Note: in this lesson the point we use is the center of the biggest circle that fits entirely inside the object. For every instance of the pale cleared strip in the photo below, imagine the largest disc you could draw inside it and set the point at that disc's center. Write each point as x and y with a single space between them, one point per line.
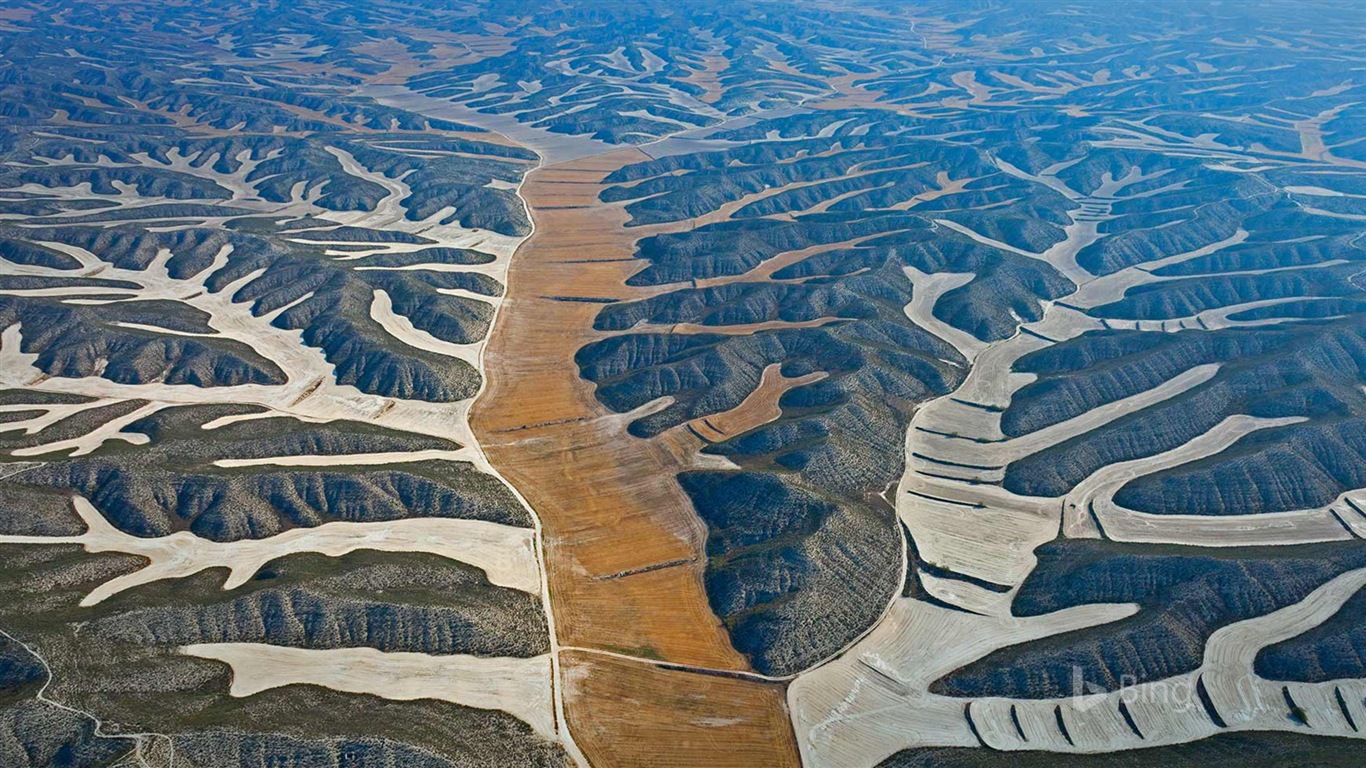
403 330
52 413
1039 440
927 289
874 700
1170 711
957 452
1097 493
311 393
979 528
519 687
92 440
505 553
348 459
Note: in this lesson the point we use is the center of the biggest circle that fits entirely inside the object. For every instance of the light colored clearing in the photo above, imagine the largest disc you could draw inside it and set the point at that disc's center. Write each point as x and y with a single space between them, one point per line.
311 392
1096 493
391 215
1017 448
618 76
874 700
1093 209
977 530
241 192
983 239
505 553
950 495
961 518
79 446
552 147
471 295
1112 287
1170 712
1138 135
928 288
1319 192
726 211
223 421
403 330
947 186
764 270
1221 317
519 687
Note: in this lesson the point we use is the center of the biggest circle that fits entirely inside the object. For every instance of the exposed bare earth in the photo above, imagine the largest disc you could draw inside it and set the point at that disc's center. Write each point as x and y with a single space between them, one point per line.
627 713
504 552
624 549
520 687
758 409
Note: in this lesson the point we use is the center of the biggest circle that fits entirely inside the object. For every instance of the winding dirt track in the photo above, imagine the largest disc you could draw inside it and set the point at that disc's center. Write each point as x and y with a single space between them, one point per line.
624 549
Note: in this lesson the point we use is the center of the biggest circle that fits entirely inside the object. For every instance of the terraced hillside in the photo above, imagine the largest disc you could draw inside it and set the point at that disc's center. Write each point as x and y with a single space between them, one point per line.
682 384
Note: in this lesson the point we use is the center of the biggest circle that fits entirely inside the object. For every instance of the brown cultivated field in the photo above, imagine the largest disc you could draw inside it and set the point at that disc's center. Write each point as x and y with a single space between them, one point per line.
624 546
624 713
758 409
624 549
708 78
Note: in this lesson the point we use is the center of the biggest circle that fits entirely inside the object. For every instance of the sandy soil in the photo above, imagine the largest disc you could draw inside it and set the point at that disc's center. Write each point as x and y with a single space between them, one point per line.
508 555
1170 712
519 687
926 291
1092 501
874 700
505 553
